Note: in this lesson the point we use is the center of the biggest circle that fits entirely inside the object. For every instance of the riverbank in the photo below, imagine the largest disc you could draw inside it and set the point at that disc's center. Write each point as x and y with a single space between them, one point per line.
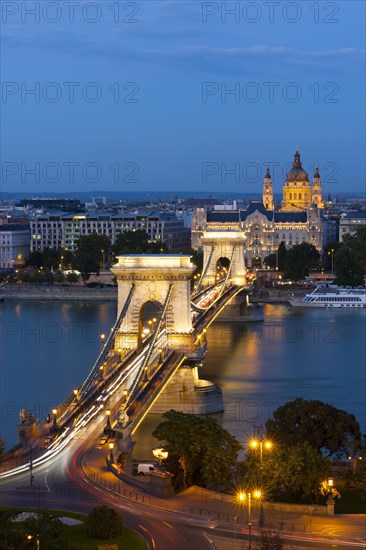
276 296
64 293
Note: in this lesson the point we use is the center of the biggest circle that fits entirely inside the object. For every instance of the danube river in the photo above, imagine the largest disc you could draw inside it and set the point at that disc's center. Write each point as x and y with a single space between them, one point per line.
47 348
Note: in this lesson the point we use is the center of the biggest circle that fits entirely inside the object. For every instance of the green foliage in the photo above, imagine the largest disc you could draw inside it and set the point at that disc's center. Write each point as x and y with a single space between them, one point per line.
29 276
357 243
59 277
104 523
326 428
89 255
200 451
282 253
294 470
269 540
197 257
348 267
72 278
277 260
299 260
51 531
137 242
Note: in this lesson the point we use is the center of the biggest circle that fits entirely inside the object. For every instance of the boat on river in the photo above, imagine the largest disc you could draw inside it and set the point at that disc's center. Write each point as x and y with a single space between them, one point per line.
332 296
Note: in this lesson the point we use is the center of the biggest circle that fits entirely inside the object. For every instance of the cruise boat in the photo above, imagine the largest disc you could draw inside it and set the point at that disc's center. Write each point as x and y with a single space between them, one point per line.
332 296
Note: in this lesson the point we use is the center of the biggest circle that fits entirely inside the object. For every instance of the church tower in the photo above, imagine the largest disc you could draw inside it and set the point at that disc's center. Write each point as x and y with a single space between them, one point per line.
316 191
268 191
297 189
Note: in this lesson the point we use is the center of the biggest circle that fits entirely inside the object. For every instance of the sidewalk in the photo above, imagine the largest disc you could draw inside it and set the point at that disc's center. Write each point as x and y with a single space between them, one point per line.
211 512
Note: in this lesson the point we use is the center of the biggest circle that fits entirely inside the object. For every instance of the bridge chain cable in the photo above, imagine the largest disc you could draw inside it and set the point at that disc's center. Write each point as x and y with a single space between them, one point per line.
223 286
204 271
150 348
105 349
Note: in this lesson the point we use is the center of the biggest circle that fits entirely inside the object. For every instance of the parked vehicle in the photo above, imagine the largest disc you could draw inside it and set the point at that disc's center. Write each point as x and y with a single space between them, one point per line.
145 469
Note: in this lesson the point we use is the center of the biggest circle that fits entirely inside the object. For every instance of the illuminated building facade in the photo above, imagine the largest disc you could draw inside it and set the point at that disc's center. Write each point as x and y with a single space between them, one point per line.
298 220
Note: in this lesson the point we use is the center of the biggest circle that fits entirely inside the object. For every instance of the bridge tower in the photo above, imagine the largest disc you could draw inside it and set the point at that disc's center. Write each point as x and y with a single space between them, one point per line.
163 279
223 244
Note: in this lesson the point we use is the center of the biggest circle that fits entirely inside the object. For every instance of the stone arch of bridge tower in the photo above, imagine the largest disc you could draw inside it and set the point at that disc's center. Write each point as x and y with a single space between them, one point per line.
225 244
153 276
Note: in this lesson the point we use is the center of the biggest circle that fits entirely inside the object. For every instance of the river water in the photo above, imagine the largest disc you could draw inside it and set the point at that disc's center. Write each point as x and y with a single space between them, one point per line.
47 348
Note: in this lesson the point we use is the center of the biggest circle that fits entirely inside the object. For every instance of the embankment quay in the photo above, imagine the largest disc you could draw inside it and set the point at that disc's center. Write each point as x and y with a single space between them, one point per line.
58 292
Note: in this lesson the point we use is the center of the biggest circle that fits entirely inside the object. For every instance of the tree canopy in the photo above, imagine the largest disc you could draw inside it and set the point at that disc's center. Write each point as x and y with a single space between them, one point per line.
329 430
200 451
299 260
137 242
91 252
348 267
104 522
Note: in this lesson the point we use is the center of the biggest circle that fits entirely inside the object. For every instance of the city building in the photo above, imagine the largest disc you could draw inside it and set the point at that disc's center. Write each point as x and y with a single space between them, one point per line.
350 222
298 220
14 245
60 230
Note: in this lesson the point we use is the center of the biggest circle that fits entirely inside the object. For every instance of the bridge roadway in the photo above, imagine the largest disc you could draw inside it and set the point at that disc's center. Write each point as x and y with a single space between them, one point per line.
74 414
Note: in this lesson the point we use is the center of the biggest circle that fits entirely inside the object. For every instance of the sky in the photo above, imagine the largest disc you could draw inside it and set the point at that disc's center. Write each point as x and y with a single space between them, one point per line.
171 95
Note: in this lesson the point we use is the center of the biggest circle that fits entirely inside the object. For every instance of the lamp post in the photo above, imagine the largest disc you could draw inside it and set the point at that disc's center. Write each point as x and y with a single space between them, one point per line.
30 537
246 497
111 458
261 443
102 251
108 427
54 427
125 392
331 253
160 453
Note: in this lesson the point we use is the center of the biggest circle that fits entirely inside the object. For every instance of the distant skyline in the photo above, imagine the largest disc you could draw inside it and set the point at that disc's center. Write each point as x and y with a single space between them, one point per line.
175 96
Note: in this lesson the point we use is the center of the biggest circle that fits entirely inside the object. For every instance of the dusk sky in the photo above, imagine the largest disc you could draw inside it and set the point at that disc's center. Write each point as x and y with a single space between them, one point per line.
147 109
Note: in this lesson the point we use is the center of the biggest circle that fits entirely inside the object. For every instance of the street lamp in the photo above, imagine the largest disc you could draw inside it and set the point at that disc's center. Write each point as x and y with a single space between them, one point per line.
160 453
125 392
111 458
243 497
108 426
259 444
102 336
75 392
331 252
54 423
30 537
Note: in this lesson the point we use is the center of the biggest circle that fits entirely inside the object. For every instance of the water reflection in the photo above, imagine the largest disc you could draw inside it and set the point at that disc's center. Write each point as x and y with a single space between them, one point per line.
49 347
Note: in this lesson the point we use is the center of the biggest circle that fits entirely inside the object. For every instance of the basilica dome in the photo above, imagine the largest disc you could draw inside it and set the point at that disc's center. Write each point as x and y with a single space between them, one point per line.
297 173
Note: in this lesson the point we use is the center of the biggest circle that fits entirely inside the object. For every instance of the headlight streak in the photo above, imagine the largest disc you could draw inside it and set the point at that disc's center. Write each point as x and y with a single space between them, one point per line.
67 436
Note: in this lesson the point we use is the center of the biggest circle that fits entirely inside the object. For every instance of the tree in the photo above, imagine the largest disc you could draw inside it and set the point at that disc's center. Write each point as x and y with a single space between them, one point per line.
200 451
294 470
327 429
104 522
89 255
2 445
357 243
278 258
299 260
348 268
59 277
137 242
72 278
281 253
269 540
49 530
